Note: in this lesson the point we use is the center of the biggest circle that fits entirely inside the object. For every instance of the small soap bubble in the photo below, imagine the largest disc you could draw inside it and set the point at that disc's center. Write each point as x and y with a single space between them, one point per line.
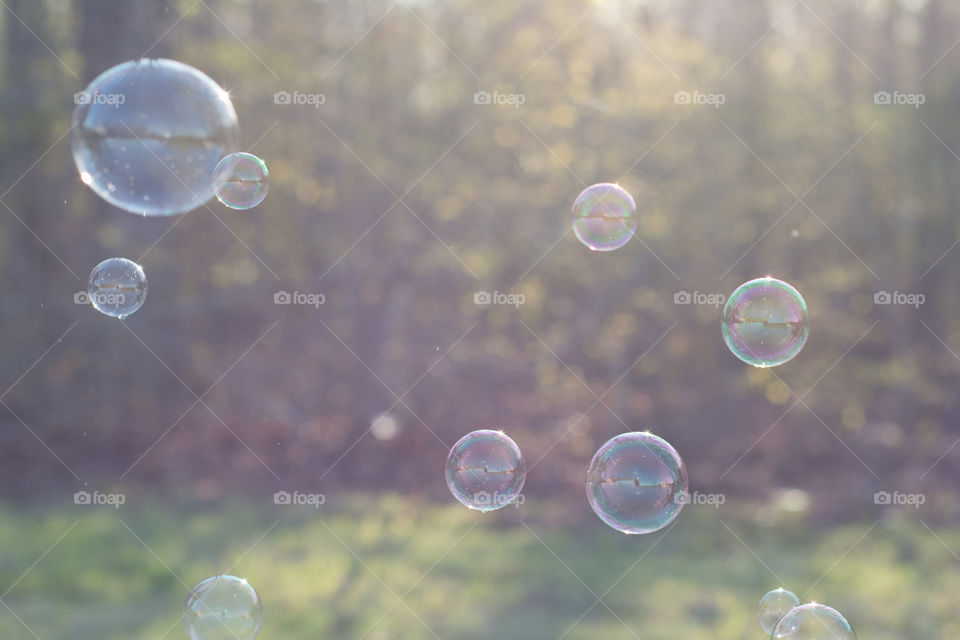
117 287
813 622
774 606
637 483
223 608
765 322
147 135
604 217
241 181
485 470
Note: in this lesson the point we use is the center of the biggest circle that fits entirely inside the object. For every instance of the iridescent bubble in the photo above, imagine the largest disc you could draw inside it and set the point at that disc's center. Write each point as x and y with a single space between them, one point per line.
813 622
223 608
117 287
774 606
241 181
485 470
604 217
765 322
147 135
637 483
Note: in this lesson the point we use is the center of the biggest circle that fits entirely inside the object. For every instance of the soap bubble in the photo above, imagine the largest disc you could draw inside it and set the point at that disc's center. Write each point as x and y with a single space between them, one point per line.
485 470
117 287
813 622
765 322
223 608
241 181
604 217
147 135
637 483
774 606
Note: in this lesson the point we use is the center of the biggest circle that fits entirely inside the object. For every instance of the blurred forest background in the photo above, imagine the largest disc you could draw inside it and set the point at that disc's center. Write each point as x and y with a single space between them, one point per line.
400 197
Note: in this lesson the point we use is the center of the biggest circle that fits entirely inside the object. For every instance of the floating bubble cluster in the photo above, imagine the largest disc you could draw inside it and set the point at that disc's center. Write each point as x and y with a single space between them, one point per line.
156 138
765 322
147 135
637 483
485 470
223 608
604 217
774 606
813 622
117 287
241 181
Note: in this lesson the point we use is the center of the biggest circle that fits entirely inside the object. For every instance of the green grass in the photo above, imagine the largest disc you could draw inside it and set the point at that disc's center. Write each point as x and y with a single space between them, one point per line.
460 574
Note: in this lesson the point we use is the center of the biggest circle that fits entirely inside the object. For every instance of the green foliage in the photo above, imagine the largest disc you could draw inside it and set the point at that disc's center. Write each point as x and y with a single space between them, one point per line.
337 572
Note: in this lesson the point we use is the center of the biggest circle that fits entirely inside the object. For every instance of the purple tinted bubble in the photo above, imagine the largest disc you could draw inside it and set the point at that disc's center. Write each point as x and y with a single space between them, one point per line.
765 322
485 470
604 217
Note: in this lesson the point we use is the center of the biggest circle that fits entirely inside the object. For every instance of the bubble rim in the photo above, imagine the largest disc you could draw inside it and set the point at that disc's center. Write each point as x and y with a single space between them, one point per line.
753 284
811 606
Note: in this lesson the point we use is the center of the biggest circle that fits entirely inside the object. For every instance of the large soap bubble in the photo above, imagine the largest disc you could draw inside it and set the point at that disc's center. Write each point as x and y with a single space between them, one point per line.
485 470
765 322
147 135
637 483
